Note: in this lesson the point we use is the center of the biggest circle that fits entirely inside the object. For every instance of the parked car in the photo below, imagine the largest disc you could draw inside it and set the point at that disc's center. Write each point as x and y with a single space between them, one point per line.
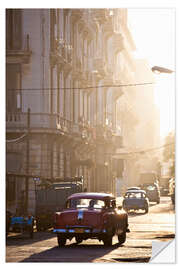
172 189
8 221
22 224
51 197
91 215
152 192
135 200
164 185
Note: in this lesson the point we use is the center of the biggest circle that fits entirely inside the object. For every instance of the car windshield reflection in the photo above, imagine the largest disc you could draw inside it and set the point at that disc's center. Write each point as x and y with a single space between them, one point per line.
86 203
135 195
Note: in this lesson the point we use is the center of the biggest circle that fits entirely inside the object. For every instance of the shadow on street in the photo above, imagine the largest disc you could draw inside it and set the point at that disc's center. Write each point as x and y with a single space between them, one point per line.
23 239
57 254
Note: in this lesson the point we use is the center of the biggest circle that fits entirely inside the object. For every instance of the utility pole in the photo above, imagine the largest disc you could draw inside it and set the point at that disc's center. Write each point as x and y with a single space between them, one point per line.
27 163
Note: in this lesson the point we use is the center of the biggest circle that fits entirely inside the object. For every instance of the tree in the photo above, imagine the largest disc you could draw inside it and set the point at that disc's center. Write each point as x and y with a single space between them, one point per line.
169 151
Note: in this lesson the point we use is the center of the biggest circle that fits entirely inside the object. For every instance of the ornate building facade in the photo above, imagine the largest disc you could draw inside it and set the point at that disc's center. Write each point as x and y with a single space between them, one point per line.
61 103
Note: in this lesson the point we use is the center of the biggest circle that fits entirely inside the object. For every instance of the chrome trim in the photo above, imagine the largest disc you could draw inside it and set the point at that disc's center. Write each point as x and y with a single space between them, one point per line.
59 230
96 230
78 226
71 230
80 214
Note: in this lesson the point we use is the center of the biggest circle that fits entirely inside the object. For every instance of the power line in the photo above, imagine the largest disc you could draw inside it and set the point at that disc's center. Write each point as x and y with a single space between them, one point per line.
130 153
153 149
17 139
78 88
143 151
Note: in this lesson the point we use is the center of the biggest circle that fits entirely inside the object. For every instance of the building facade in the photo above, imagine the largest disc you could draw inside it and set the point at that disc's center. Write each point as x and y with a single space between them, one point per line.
62 106
60 113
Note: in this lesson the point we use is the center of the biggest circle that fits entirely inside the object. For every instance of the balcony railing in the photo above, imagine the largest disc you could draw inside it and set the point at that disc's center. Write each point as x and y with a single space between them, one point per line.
19 56
100 66
76 14
101 15
109 25
62 53
17 122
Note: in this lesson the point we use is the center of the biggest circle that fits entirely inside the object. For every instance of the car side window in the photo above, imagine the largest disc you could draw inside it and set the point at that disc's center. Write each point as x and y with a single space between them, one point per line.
113 204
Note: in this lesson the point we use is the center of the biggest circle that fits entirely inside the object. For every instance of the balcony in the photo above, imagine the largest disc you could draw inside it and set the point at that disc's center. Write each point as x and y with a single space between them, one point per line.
78 69
109 26
49 123
101 15
103 134
118 141
100 66
76 14
39 122
21 56
62 54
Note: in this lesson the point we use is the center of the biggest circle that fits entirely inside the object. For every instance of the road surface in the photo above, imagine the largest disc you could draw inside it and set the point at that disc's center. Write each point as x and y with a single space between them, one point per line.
158 224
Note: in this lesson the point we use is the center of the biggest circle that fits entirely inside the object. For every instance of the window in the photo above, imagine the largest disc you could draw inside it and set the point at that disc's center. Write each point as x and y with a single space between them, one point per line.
10 188
13 85
86 203
135 195
13 29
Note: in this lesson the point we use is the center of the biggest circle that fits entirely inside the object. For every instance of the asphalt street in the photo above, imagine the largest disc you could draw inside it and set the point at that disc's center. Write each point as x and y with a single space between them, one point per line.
158 224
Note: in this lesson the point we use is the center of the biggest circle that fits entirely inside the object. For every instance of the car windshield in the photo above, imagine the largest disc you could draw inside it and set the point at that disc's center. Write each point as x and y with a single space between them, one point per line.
136 195
151 188
85 203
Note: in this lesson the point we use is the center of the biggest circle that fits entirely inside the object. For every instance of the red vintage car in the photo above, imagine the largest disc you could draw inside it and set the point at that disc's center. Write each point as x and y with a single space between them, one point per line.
91 215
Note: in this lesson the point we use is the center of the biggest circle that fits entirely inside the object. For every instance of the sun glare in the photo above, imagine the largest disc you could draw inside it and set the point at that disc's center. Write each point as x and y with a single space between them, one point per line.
153 31
165 100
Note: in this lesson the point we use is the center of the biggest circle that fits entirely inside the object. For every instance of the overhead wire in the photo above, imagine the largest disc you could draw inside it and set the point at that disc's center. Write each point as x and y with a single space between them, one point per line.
78 88
17 139
143 151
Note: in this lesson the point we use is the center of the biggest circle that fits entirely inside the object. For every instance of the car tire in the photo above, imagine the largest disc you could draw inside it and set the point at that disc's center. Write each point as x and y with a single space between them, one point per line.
107 241
158 201
61 241
31 234
126 210
78 240
122 238
146 209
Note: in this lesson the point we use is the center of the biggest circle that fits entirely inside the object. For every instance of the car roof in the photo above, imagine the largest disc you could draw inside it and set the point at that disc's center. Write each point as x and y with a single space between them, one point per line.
91 195
136 191
136 188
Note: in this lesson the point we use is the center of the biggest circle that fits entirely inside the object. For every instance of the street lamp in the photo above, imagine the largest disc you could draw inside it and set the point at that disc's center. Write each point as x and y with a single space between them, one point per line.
157 69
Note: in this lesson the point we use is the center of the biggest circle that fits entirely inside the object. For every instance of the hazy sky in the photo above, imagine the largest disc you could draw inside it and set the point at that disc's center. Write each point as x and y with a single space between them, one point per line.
153 31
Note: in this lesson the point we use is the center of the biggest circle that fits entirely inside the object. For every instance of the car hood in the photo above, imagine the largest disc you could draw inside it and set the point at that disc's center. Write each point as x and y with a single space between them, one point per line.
83 217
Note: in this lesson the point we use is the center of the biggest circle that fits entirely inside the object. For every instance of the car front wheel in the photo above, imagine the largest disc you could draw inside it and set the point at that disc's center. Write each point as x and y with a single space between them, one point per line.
122 238
146 210
107 240
61 241
78 240
158 201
